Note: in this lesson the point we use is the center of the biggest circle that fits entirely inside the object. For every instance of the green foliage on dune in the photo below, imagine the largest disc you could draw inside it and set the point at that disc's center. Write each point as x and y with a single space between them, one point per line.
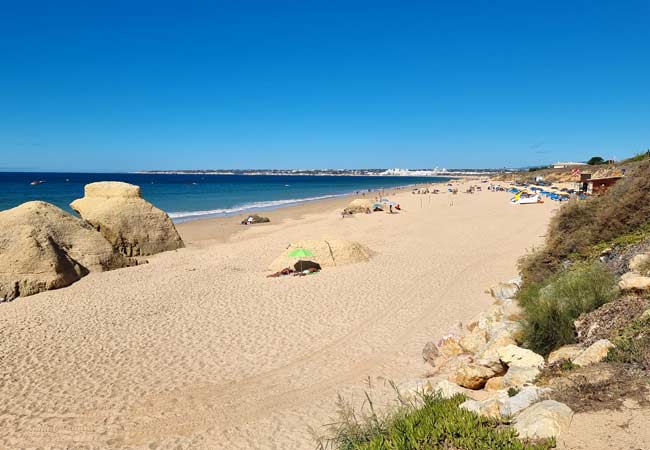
431 424
550 309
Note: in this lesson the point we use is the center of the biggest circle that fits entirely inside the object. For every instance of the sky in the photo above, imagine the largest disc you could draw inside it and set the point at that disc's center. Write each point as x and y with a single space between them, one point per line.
123 86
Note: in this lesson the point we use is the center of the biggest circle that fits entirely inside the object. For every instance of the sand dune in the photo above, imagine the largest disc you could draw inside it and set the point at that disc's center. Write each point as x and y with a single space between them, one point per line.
199 350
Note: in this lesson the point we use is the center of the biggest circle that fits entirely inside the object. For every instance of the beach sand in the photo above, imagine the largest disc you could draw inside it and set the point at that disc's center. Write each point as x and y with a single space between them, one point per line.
200 350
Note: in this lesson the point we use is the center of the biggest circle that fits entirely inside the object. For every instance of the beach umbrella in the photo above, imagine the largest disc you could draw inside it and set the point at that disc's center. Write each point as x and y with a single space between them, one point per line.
300 253
306 265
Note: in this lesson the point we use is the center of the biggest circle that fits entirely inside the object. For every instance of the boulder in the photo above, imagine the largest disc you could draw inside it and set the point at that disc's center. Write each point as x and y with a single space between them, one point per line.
430 353
543 420
517 377
329 253
490 407
447 389
568 352
514 356
634 282
449 346
43 247
131 224
527 396
474 341
472 376
596 352
503 291
638 261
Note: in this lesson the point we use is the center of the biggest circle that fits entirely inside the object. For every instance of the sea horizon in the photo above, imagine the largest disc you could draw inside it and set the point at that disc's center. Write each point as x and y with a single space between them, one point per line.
187 196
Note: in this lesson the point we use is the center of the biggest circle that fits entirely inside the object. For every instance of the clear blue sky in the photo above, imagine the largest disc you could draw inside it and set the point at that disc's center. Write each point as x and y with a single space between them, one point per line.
237 84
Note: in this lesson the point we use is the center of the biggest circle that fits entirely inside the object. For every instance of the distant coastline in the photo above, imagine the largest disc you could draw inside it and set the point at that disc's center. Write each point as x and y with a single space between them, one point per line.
331 172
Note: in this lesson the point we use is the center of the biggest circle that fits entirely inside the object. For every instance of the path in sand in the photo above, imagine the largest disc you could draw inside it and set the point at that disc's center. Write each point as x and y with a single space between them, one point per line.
198 349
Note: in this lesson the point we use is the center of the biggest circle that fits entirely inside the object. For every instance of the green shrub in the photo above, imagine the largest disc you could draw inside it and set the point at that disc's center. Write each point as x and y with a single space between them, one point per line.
632 344
434 423
580 225
550 311
512 391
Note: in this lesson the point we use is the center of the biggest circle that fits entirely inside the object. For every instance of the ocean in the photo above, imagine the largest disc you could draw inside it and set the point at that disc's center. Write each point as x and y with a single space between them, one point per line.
188 197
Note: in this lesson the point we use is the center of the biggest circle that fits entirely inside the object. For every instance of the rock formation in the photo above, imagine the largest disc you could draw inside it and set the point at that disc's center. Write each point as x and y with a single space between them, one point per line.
131 224
43 247
326 253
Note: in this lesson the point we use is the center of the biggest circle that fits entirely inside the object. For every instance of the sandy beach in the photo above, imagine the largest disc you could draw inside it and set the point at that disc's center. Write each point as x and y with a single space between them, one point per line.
200 350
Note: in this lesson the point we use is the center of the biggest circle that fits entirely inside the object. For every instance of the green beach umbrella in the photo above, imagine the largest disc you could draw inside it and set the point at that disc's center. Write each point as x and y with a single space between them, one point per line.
300 253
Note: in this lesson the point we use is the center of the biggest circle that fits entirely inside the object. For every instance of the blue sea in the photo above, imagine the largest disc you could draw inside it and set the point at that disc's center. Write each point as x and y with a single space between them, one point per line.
188 197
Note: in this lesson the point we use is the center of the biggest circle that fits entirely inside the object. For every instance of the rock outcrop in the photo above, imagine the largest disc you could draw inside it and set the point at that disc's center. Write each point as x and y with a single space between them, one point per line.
131 224
593 354
326 253
43 247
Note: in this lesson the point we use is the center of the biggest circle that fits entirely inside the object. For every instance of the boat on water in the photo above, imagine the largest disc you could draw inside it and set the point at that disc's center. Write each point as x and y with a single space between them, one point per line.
37 182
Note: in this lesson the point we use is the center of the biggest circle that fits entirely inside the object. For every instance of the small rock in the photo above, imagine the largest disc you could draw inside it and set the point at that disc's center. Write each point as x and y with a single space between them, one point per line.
543 420
645 315
634 283
514 356
495 384
568 352
596 352
472 376
430 353
502 291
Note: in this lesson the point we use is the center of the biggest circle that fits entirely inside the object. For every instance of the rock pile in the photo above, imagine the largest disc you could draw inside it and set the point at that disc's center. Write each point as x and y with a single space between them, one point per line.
484 362
131 224
634 280
43 247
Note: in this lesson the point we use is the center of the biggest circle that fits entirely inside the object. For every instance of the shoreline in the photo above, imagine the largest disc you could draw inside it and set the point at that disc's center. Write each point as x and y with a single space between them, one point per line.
198 349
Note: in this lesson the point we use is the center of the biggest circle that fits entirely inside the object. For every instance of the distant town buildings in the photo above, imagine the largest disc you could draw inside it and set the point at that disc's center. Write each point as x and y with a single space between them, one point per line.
564 165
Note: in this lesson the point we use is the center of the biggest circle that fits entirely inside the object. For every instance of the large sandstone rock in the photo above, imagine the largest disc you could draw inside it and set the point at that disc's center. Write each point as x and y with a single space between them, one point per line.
515 356
449 346
596 352
568 352
131 224
634 282
472 376
430 353
336 252
474 341
543 420
638 261
43 247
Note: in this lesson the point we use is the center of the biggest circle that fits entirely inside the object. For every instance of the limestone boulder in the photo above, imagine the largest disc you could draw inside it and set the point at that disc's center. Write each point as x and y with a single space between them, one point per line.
516 377
638 261
514 356
43 247
449 346
596 352
490 407
543 420
568 352
447 389
474 341
526 397
634 282
131 224
472 376
503 291
330 253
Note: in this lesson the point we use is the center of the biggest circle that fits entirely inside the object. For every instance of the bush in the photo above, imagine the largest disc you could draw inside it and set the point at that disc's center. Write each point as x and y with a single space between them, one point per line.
435 423
632 344
551 310
580 225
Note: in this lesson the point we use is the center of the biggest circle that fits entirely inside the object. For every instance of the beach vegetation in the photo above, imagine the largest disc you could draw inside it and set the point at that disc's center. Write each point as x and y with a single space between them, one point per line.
632 344
550 309
431 423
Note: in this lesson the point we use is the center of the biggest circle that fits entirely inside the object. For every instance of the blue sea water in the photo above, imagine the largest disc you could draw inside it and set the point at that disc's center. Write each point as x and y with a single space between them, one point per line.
187 197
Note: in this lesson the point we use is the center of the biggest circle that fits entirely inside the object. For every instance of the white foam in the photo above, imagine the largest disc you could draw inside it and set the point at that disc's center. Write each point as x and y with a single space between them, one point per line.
182 216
